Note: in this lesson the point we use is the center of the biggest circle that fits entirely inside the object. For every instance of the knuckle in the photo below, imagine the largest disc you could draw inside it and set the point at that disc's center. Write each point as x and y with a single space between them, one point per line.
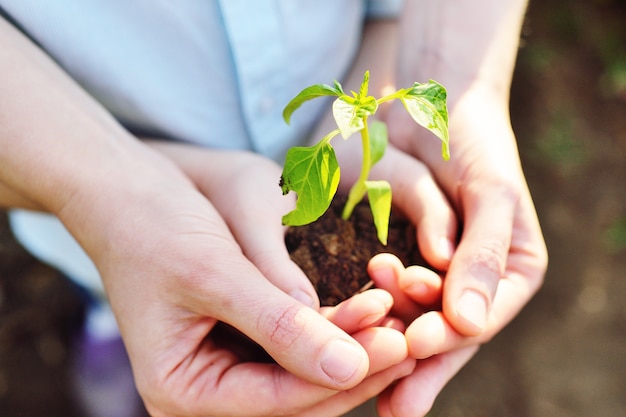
500 186
542 260
489 259
282 327
535 267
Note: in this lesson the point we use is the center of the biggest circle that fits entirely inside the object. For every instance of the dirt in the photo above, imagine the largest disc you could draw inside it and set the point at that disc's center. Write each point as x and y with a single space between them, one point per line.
334 252
564 355
40 313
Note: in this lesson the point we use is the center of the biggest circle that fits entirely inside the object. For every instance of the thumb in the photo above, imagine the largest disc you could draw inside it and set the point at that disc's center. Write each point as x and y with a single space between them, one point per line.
480 260
258 229
291 332
262 240
255 297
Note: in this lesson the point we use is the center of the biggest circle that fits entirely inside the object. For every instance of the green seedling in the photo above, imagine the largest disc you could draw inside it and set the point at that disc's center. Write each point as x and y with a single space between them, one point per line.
313 172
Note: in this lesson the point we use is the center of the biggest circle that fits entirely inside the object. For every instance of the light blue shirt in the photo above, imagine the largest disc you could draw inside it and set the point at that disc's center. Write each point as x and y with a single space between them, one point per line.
213 73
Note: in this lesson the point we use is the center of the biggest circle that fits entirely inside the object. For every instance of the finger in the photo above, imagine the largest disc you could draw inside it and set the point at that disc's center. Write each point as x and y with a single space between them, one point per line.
385 347
263 243
289 331
385 270
246 300
259 230
416 193
422 285
393 323
415 394
432 334
279 392
481 257
372 386
360 311
414 289
229 288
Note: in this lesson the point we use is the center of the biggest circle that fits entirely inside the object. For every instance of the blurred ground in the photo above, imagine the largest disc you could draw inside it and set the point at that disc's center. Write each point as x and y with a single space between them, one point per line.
565 355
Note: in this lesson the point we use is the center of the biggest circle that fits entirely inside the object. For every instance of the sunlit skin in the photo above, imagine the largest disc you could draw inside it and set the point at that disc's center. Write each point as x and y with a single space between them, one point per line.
178 253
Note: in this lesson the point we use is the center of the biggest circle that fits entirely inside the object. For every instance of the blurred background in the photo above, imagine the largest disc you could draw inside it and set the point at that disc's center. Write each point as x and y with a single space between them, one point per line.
565 355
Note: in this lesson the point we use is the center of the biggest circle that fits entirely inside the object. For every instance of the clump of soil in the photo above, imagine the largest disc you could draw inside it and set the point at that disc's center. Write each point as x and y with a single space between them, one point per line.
334 252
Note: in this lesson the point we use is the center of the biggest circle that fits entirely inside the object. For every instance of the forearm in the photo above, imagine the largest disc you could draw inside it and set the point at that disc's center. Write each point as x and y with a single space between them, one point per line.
461 44
48 129
61 152
55 140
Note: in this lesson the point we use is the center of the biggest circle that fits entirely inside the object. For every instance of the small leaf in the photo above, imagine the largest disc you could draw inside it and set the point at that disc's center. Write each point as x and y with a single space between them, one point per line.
379 195
356 194
313 173
349 113
346 117
378 141
365 85
367 106
426 103
309 93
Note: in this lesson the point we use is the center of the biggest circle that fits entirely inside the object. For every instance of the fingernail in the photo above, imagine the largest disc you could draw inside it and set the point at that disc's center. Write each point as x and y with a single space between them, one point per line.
383 296
303 297
472 306
341 359
446 248
417 290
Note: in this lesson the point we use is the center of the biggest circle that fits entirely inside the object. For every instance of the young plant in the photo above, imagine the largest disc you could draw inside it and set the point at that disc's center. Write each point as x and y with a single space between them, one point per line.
313 172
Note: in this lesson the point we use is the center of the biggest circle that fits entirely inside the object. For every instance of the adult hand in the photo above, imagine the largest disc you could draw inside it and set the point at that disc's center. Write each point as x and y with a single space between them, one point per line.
199 276
243 188
415 290
500 260
497 266
499 263
501 246
171 267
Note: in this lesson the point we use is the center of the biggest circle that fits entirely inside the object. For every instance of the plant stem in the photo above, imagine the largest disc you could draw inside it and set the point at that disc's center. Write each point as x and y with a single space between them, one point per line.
390 97
358 190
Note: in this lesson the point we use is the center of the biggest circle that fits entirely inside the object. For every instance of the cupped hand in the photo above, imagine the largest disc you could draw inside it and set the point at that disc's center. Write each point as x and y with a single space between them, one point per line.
173 271
498 264
501 257
243 188
484 279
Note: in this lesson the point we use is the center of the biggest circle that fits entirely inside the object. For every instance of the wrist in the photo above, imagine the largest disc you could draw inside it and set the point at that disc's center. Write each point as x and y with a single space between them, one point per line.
461 44
116 194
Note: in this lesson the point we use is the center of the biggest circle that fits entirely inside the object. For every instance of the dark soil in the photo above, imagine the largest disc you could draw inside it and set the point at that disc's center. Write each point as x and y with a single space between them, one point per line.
40 313
334 252
564 355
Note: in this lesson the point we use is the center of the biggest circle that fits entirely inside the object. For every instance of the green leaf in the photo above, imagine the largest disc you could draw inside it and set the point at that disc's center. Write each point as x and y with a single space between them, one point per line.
378 141
313 173
347 118
426 103
364 85
309 93
356 194
350 113
379 195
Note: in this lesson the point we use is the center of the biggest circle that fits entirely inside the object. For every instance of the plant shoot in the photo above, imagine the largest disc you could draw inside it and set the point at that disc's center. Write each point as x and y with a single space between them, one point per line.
313 172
